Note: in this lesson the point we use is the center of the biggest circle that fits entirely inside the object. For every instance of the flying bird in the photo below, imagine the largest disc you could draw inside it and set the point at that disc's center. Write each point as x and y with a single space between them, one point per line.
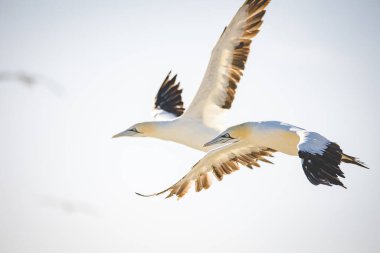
253 142
216 92
30 80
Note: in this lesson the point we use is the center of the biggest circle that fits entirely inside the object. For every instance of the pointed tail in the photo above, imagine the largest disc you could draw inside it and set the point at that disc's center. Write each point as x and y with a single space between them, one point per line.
353 160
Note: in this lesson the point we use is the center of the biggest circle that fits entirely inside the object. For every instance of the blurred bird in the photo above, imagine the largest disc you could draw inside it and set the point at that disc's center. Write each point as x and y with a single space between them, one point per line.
31 80
251 142
216 92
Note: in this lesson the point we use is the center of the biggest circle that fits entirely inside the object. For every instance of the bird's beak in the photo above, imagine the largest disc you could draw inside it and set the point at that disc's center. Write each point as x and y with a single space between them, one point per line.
124 133
213 142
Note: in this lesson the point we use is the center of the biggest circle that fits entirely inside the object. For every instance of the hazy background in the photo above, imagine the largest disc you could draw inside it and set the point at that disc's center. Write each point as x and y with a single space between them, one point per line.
66 186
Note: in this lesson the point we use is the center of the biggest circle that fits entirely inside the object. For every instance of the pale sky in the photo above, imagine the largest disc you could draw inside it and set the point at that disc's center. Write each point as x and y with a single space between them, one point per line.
66 186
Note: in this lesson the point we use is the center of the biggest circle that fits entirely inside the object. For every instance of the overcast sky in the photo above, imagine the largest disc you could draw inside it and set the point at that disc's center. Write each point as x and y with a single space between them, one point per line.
66 186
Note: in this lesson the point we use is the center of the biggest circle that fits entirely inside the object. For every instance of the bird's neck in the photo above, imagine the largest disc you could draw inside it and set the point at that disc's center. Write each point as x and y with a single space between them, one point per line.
190 134
159 129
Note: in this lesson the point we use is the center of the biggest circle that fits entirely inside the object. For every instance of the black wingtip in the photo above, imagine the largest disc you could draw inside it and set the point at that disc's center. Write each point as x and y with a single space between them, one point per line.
323 169
169 96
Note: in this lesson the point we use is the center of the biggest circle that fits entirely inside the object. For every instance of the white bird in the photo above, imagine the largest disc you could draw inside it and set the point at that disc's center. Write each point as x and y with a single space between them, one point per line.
216 92
251 142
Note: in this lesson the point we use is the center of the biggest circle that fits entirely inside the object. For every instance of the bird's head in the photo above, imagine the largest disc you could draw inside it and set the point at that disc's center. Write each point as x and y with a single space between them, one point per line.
230 135
138 130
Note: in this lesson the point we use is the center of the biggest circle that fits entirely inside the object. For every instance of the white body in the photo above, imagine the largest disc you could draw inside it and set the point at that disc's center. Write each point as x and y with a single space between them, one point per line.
279 136
192 133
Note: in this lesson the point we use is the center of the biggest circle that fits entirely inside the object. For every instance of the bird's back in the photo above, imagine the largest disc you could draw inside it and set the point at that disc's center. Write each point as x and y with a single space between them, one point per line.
277 135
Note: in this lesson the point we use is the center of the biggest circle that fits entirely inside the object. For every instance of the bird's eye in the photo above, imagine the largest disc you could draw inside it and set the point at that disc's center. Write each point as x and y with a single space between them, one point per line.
227 136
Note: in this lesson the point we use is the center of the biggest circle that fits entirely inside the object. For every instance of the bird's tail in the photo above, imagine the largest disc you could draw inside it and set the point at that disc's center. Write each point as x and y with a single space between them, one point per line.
353 160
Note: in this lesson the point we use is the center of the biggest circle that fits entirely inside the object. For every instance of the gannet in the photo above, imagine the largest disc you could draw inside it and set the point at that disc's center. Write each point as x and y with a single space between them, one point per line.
251 142
216 92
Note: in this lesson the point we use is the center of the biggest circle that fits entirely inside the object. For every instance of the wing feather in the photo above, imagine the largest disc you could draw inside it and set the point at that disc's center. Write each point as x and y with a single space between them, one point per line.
220 162
228 59
168 101
320 159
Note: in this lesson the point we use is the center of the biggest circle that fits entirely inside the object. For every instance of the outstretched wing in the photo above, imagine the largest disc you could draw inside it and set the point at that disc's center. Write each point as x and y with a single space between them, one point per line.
221 161
228 59
168 102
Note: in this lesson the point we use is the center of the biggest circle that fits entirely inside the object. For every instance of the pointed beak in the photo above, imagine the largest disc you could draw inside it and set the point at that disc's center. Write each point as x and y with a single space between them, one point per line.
124 133
212 142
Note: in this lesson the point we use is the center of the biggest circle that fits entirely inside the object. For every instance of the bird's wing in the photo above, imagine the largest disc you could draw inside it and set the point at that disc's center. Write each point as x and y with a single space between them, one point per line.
220 161
217 90
168 102
320 159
